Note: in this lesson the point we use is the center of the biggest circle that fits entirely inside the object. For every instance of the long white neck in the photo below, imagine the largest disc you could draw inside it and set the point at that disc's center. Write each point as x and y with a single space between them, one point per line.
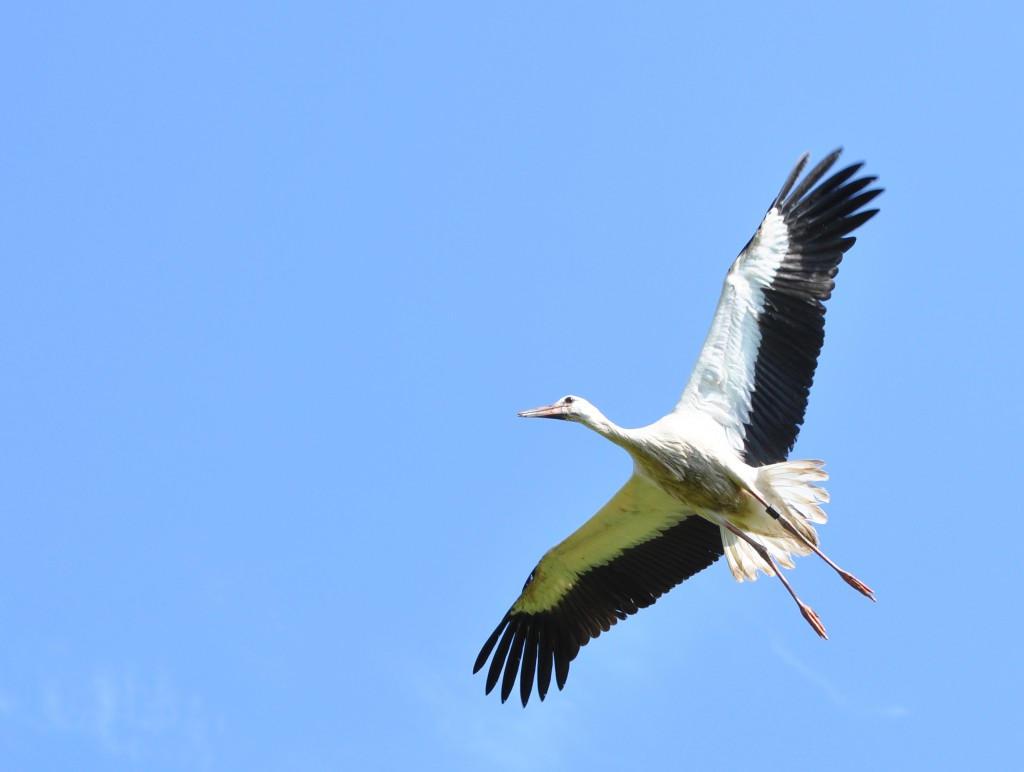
596 420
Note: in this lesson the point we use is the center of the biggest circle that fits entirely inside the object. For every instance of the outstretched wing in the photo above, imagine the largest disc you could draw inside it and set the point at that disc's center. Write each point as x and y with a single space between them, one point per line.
755 370
639 546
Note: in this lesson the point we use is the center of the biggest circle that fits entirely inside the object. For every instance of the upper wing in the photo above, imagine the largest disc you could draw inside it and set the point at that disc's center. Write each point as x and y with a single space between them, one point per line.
639 546
755 371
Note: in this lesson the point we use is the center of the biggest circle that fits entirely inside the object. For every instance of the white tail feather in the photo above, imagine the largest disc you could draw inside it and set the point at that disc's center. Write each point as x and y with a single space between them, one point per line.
794 483
744 562
792 488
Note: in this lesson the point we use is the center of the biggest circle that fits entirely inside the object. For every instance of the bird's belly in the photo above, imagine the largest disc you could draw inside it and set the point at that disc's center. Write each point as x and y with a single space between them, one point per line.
698 479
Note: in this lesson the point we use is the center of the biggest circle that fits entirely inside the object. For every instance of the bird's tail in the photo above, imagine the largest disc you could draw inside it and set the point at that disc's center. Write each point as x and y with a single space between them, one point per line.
792 489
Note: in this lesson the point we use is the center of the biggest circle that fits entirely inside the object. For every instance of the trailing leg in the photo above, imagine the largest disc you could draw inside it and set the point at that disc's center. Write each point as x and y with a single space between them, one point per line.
849 578
762 551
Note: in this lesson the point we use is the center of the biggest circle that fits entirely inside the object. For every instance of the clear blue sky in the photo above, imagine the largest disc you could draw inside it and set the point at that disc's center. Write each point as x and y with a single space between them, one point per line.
277 277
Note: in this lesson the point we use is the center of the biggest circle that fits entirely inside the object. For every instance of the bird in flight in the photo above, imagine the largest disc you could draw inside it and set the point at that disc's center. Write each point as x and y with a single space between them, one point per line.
711 477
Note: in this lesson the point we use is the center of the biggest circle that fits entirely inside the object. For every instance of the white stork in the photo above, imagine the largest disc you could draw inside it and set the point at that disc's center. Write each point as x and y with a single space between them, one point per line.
711 477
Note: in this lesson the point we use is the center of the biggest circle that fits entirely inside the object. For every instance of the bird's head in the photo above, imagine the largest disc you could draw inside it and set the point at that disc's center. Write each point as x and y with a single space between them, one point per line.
570 408
577 409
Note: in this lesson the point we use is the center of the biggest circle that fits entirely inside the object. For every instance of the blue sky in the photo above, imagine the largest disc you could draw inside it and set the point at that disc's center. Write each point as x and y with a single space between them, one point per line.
276 279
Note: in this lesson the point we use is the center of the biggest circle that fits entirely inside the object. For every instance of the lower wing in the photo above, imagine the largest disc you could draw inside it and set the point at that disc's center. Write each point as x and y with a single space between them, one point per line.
640 545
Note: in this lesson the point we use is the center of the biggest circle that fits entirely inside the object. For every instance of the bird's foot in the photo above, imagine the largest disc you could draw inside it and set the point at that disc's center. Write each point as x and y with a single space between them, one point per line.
812 620
858 585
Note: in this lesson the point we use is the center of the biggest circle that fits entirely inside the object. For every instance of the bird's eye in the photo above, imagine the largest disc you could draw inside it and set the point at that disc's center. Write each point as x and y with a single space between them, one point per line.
568 400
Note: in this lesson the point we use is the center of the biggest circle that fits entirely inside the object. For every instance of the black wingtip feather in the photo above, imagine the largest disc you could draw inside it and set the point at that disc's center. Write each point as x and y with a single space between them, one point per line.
545 658
562 671
827 189
814 175
791 179
515 655
485 651
824 202
499 658
529 666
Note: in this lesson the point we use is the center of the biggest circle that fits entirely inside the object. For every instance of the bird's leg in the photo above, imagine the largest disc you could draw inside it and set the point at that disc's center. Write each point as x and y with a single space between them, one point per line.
849 578
807 611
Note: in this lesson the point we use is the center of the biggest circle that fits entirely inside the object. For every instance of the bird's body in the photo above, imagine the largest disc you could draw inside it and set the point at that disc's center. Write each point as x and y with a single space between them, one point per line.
711 477
691 466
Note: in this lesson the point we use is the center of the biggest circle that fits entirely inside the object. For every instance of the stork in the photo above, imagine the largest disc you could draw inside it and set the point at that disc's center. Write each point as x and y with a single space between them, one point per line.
711 477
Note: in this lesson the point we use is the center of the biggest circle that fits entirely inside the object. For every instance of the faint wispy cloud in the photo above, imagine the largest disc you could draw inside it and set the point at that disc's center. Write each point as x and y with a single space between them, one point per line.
816 678
507 738
838 699
126 715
